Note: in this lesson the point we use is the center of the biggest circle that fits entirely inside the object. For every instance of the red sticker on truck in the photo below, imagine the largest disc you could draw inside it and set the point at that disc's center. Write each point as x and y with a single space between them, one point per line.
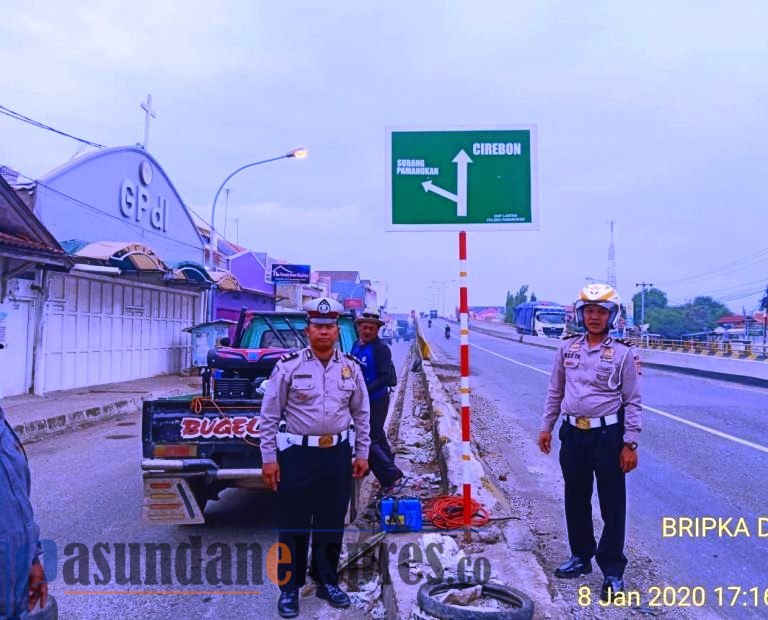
221 428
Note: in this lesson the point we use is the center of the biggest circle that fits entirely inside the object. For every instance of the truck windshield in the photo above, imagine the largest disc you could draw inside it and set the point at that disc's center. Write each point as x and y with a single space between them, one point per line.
550 318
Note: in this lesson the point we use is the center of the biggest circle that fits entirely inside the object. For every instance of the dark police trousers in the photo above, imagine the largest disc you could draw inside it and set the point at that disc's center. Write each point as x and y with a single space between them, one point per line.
380 458
584 455
313 495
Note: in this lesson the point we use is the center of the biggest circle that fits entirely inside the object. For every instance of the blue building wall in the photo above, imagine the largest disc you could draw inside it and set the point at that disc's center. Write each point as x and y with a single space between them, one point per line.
118 194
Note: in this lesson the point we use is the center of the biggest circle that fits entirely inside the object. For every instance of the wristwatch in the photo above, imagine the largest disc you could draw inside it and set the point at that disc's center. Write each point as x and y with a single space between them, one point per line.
632 445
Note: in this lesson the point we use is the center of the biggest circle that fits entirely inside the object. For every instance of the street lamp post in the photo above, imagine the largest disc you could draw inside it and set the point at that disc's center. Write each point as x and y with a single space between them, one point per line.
299 153
442 285
351 294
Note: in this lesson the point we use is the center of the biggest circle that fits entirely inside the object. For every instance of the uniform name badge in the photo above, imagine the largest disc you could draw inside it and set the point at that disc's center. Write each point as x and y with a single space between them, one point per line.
583 423
346 372
325 441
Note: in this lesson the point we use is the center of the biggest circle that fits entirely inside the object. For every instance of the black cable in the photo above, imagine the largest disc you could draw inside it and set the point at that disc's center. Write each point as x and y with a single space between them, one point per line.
728 268
26 119
158 239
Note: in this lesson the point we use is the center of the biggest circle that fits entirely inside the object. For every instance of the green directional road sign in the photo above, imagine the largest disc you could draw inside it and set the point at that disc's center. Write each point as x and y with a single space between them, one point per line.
464 179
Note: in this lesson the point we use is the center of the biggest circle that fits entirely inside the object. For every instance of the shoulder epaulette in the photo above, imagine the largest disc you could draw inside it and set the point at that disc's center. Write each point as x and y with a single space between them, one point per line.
353 358
571 336
289 356
626 343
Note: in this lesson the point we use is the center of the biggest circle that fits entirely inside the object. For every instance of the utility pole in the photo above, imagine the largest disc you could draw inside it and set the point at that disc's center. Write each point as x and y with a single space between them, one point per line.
764 308
442 286
642 300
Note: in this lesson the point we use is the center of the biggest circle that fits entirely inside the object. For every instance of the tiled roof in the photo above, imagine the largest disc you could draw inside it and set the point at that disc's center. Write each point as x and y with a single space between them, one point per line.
21 242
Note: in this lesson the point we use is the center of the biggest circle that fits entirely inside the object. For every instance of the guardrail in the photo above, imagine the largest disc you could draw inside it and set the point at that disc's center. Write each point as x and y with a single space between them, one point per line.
743 349
739 365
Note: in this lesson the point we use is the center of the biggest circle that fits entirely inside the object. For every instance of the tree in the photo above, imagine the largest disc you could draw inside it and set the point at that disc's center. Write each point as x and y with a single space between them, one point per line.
513 301
533 297
702 313
654 298
669 322
699 315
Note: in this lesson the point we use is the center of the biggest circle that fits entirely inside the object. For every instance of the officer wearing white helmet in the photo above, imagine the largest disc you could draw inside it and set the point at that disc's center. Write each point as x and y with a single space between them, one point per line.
594 386
312 397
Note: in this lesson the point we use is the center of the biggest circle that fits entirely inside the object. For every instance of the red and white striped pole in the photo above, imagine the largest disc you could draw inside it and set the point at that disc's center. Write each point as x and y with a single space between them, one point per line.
464 333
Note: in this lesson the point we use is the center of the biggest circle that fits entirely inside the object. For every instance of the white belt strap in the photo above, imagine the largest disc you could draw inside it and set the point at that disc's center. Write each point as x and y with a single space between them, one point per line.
586 423
313 441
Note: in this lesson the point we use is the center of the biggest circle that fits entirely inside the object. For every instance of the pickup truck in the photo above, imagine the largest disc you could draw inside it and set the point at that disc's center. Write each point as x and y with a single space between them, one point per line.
196 446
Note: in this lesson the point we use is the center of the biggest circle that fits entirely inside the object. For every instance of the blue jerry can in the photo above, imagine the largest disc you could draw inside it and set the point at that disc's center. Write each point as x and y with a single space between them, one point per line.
400 514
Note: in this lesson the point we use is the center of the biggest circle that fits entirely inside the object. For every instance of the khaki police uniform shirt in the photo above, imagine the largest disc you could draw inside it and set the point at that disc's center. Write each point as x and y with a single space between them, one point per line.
595 382
315 400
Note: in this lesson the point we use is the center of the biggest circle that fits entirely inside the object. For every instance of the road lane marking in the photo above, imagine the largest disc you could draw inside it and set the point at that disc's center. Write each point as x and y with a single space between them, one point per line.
707 429
671 416
509 359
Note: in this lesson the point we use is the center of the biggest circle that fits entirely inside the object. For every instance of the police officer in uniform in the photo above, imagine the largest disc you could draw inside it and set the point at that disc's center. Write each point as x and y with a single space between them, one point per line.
594 385
376 360
311 399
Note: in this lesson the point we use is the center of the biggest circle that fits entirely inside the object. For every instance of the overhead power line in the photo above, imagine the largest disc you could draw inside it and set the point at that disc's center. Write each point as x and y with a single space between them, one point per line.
30 121
741 294
742 263
159 240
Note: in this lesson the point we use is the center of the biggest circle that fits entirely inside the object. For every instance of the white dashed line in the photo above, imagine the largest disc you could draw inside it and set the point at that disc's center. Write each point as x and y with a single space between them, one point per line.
671 416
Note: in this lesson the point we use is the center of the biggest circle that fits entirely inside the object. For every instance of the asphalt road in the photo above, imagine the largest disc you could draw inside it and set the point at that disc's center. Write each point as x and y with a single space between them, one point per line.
703 452
87 489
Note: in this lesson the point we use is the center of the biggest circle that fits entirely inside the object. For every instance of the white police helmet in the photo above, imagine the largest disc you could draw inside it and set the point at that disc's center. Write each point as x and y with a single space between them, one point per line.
323 311
597 294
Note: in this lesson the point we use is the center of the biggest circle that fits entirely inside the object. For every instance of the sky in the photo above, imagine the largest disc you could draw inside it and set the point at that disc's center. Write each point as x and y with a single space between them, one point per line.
653 115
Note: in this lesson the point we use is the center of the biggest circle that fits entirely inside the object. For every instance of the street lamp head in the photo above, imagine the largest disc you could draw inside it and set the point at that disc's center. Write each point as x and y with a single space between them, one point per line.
298 153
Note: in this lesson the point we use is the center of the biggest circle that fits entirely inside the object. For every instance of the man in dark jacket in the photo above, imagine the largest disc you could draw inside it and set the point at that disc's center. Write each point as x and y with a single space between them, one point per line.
376 360
22 579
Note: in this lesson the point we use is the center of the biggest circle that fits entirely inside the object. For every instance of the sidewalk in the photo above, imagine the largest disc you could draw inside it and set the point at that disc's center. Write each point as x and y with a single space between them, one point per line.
35 417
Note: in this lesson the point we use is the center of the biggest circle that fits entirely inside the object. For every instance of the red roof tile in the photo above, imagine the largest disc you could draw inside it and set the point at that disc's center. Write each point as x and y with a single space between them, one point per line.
19 241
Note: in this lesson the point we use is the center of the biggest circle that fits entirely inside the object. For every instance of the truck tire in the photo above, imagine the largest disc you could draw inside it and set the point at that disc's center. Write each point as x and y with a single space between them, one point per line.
523 605
203 493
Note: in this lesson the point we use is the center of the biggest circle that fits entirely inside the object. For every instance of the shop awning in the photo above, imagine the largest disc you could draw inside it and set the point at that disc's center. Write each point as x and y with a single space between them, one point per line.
126 255
225 280
192 272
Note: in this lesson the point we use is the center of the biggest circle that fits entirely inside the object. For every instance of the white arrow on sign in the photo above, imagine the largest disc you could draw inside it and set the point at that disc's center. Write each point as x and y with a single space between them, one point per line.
460 198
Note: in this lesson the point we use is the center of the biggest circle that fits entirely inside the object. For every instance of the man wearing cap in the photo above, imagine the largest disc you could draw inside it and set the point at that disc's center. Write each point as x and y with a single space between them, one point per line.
376 360
313 396
594 386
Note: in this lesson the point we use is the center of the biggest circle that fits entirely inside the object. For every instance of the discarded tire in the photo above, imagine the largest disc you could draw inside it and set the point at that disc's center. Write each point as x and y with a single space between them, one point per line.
522 605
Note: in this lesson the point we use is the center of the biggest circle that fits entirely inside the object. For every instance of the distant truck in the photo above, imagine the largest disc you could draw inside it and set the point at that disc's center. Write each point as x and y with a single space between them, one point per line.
433 314
540 318
196 446
406 329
